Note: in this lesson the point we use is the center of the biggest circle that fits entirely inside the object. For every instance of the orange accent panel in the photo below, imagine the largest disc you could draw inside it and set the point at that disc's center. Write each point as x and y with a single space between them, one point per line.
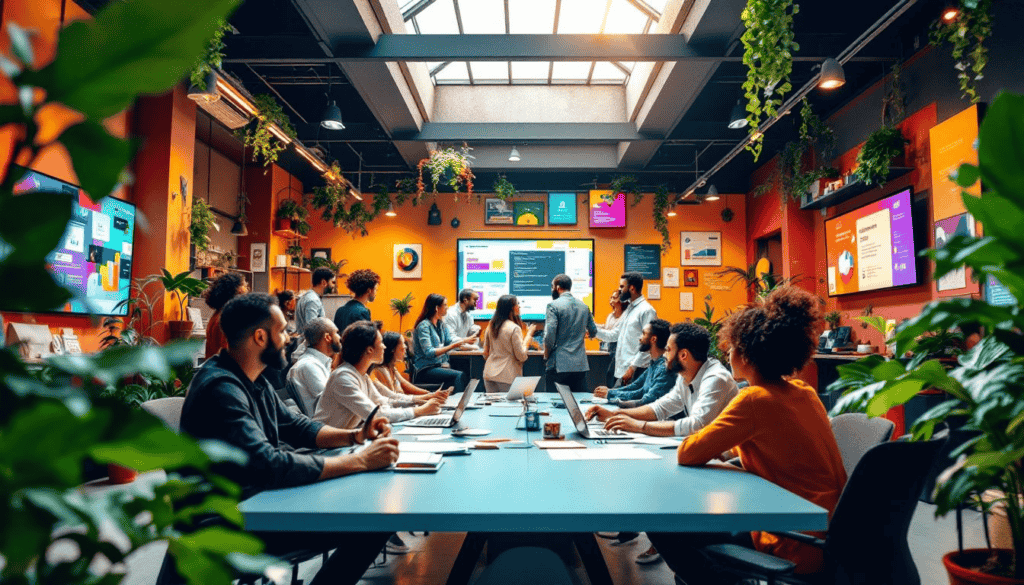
952 143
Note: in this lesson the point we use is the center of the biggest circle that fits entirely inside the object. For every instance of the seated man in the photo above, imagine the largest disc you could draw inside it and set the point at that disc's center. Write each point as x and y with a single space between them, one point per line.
230 401
309 374
350 395
655 381
458 319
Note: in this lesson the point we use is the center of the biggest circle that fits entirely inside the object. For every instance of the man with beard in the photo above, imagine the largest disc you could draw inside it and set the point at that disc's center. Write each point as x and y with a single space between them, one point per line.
309 374
656 381
630 362
567 319
703 389
311 305
230 401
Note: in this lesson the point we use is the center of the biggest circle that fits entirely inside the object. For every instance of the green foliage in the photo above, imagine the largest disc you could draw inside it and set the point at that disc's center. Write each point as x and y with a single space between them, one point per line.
182 286
401 307
448 166
832 318
713 326
881 147
987 385
503 188
211 59
760 285
817 140
876 322
257 133
662 201
202 220
296 212
966 36
626 184
768 54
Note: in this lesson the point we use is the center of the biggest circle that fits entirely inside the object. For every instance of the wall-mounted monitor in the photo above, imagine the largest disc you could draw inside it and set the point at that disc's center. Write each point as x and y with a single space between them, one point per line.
95 256
524 268
873 247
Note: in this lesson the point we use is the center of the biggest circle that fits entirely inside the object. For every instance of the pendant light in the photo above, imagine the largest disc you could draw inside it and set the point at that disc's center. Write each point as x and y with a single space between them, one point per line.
712 194
832 75
391 210
331 118
208 95
514 155
738 117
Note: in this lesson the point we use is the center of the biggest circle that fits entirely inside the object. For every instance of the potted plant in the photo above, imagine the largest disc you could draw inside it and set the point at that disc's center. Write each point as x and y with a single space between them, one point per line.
832 318
881 147
986 387
203 75
966 35
202 220
291 216
182 287
503 188
448 166
256 133
713 325
401 307
295 251
768 47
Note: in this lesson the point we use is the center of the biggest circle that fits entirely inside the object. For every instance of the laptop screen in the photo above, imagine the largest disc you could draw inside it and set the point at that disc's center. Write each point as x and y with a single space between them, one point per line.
573 407
466 395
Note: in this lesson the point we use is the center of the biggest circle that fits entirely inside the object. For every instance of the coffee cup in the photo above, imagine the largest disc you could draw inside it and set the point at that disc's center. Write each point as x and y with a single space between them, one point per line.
552 430
532 420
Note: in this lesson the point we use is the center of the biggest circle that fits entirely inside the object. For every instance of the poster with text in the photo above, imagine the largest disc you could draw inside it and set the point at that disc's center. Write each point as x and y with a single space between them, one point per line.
497 212
561 208
607 209
945 229
951 144
700 248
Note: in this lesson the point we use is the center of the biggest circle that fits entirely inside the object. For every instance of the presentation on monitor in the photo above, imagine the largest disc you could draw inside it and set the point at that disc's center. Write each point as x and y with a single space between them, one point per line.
524 268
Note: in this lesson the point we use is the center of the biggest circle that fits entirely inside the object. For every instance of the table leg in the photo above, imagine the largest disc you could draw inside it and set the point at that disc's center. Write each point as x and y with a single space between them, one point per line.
593 560
467 558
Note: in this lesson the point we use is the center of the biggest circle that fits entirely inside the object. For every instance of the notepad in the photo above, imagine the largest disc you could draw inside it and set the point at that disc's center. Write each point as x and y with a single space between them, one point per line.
440 448
556 444
607 454
418 462
419 431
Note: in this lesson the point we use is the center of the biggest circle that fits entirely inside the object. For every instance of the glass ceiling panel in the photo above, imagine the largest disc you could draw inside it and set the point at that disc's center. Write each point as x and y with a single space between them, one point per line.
403 4
480 17
489 71
605 72
581 17
454 73
570 72
658 5
624 18
530 71
438 19
531 17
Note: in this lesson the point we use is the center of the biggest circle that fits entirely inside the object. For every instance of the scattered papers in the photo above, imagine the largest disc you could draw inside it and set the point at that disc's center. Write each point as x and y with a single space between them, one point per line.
432 437
418 431
471 432
607 454
659 441
423 447
555 444
411 459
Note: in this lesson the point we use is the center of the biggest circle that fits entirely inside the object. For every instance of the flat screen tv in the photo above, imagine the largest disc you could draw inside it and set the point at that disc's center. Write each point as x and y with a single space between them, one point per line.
94 258
524 268
873 247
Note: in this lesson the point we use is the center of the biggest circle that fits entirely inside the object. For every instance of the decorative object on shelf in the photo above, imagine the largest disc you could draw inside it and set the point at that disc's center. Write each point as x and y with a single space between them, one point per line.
768 54
691 277
503 189
258 256
257 134
528 213
497 212
227 260
700 248
407 261
455 223
296 253
203 77
291 216
434 215
966 34
662 201
874 158
200 224
626 184
448 166
401 307
832 318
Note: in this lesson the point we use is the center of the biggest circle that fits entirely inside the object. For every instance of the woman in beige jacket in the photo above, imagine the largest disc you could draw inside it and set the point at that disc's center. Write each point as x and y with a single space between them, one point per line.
505 345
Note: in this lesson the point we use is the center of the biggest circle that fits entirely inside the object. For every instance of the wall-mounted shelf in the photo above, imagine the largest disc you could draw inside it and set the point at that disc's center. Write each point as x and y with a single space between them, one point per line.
294 269
850 191
289 234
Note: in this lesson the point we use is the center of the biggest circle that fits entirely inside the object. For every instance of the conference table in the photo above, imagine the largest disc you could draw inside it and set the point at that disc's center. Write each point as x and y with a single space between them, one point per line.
472 362
514 490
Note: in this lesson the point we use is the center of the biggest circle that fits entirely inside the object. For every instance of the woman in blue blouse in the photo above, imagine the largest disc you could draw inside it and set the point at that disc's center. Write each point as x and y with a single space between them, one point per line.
431 343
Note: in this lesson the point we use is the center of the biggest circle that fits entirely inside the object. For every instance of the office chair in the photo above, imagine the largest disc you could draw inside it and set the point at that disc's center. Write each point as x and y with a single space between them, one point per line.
866 541
856 433
166 409
293 393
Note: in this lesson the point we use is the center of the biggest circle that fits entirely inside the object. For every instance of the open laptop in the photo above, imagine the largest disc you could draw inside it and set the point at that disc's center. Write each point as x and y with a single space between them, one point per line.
578 419
523 387
446 420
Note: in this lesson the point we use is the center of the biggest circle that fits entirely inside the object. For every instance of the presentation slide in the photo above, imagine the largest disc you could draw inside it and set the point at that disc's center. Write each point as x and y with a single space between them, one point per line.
524 268
871 248
94 260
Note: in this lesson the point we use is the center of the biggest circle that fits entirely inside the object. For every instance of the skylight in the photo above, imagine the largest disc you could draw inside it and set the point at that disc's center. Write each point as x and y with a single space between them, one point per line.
530 17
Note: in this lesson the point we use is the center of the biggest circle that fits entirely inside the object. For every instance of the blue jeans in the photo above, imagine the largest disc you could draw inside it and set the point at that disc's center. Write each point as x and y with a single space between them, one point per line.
444 376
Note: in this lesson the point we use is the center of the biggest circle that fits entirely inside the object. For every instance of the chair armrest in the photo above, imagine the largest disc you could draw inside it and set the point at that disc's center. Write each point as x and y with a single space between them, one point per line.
747 559
801 537
430 387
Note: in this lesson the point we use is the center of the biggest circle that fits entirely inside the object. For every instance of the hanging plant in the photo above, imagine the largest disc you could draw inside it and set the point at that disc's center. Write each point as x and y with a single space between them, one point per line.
894 103
405 190
881 147
449 166
966 36
202 220
768 54
210 60
626 184
789 177
503 188
257 132
662 200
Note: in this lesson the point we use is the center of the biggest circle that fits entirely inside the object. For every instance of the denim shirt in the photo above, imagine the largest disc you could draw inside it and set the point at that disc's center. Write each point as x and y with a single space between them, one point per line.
655 382
428 339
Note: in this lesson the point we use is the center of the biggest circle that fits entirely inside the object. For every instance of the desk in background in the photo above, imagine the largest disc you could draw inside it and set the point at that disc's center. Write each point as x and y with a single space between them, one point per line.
472 362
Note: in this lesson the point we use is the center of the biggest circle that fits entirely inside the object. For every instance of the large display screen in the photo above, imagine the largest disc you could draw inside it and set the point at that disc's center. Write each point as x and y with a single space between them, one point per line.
524 268
872 248
94 259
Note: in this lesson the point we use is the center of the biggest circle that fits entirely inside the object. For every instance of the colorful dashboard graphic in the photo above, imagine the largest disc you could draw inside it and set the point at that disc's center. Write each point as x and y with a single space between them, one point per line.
872 248
524 268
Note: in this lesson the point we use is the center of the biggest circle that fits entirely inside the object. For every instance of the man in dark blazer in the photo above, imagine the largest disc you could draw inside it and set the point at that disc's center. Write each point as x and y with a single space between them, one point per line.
567 320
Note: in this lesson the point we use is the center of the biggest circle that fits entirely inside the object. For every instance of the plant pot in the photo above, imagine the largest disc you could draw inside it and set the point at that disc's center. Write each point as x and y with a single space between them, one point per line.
998 525
956 564
119 474
282 225
180 329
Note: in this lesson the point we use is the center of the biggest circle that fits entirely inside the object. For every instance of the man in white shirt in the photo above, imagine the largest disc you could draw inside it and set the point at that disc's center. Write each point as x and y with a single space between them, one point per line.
309 374
458 319
310 306
629 360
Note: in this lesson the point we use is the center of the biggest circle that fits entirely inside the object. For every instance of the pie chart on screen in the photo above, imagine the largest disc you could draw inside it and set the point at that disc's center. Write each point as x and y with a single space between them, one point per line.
407 259
846 265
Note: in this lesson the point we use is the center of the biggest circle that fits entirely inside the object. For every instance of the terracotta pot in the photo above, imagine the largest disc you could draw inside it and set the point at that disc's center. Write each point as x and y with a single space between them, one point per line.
119 474
180 329
282 225
955 563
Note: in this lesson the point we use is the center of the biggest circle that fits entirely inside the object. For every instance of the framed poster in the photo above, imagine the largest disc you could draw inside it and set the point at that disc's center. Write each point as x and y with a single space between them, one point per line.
690 277
670 277
258 257
561 208
607 209
700 248
686 301
497 212
643 258
528 212
653 292
407 261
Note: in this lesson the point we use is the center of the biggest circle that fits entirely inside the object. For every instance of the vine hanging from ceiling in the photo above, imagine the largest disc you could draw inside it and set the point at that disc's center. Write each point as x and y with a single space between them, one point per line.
768 43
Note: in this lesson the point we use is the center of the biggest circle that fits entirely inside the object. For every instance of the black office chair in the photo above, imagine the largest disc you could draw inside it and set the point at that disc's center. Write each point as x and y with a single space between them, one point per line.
293 393
410 369
866 541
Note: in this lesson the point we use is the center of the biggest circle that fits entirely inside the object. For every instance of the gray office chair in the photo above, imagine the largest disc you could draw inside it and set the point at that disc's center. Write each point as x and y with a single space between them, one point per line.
866 541
166 409
856 433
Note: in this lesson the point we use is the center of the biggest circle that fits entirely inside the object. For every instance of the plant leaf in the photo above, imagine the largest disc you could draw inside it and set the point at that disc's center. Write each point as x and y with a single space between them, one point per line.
1001 150
97 156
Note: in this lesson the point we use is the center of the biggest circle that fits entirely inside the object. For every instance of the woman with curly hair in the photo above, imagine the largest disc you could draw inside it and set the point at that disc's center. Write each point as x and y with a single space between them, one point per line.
777 426
223 289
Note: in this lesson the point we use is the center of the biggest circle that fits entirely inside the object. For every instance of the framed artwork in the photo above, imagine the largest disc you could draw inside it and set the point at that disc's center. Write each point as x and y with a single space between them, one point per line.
700 248
561 208
670 277
690 277
653 292
686 301
497 212
607 209
407 261
258 257
528 212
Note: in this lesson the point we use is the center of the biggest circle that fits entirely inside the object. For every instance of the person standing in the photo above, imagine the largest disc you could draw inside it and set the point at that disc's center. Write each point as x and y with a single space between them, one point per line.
286 300
224 288
309 374
629 360
363 283
618 308
567 319
458 318
310 306
505 346
431 343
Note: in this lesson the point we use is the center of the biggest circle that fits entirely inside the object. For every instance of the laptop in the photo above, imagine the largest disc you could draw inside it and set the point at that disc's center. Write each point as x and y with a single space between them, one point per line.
523 387
446 420
578 418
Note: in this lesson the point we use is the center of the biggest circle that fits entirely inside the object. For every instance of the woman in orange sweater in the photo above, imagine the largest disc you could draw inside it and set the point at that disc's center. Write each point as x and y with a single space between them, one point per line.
777 426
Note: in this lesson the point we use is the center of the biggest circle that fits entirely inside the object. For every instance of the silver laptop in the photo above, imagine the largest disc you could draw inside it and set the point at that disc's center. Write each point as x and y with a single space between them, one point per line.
446 420
522 387
578 419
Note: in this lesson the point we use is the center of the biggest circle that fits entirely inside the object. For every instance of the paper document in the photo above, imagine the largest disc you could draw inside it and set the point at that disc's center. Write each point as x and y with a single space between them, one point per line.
405 458
556 444
659 441
418 431
424 447
607 454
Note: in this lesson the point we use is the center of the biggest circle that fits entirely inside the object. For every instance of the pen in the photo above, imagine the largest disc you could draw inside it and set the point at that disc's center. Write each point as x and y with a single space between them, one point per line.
369 422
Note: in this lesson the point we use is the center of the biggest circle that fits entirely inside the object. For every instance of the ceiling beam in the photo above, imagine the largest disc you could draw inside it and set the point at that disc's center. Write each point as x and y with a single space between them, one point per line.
521 133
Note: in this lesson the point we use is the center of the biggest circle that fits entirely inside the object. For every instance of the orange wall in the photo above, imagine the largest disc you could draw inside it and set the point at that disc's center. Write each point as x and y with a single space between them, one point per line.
440 242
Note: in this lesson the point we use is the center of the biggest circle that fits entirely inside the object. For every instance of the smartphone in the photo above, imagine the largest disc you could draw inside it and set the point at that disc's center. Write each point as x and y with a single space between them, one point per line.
369 422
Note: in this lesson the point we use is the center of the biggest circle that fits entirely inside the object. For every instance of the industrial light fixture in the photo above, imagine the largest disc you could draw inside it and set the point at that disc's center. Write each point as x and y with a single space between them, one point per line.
712 194
738 117
238 228
514 155
208 95
434 215
332 117
672 210
832 75
950 12
391 210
